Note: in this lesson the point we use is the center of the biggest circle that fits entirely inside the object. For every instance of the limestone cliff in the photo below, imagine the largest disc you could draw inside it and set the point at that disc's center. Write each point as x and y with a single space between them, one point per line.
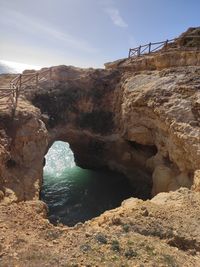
139 116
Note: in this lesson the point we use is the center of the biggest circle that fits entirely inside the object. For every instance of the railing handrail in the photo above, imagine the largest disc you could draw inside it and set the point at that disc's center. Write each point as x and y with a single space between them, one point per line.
15 87
136 51
31 75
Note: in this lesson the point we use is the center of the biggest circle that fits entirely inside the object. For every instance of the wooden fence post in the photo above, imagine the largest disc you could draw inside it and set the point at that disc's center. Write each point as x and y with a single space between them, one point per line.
17 91
149 48
166 43
12 95
17 95
50 73
139 49
20 81
37 78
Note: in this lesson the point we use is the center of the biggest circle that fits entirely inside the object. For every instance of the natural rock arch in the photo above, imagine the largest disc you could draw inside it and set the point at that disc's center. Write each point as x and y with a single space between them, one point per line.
98 112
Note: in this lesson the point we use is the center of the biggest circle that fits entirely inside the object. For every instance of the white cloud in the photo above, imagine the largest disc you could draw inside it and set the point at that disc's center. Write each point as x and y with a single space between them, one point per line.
116 17
41 28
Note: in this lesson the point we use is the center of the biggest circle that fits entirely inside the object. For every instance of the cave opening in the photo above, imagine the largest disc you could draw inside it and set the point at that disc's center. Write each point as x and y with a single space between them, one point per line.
74 194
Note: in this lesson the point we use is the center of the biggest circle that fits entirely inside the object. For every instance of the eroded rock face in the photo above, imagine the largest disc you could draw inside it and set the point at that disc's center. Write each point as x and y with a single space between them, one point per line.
196 181
140 117
22 156
159 108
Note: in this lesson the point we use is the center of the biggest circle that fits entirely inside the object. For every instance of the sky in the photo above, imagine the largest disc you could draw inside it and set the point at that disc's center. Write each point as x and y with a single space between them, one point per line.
87 33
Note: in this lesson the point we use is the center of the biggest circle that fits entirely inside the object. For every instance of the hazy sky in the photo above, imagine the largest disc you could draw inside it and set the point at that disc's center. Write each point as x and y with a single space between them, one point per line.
88 32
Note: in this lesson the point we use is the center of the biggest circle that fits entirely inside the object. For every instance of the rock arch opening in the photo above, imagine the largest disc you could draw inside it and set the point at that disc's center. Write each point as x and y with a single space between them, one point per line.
74 194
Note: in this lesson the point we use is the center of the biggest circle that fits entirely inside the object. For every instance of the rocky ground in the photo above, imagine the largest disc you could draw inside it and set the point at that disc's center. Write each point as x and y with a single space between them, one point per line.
163 231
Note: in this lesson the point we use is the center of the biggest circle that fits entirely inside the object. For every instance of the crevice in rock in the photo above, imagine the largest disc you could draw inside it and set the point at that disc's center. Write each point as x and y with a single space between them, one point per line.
147 150
11 163
185 244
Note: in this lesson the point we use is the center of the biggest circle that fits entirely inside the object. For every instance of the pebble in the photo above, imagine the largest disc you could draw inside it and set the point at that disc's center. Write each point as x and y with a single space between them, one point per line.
88 234
145 212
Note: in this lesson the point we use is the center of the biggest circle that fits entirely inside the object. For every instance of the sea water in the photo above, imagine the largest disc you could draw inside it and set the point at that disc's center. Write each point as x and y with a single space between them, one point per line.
74 194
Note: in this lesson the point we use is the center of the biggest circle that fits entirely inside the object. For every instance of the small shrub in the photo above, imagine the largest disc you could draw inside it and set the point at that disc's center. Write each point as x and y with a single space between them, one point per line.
115 245
51 234
129 253
101 238
150 250
85 248
169 260
126 227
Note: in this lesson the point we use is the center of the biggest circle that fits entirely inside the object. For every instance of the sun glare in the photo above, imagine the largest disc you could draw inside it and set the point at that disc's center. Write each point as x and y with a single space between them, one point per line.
20 67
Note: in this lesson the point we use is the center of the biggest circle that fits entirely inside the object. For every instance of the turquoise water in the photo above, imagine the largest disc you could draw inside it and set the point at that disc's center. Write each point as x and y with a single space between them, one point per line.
74 194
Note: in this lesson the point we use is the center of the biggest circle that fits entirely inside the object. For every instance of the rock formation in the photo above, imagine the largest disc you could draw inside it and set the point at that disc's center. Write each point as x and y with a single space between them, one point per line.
139 116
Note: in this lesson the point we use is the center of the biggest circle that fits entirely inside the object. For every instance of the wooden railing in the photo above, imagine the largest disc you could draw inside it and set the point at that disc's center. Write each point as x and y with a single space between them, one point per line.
19 83
153 47
17 86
